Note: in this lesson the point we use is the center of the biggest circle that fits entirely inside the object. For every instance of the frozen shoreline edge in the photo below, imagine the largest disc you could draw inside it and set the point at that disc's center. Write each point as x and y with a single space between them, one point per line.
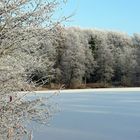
89 90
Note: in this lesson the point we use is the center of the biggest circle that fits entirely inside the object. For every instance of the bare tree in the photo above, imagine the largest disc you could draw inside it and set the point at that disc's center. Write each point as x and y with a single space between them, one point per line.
20 23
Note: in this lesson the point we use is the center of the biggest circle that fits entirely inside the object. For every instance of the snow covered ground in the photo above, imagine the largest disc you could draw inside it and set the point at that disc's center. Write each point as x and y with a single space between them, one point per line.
90 90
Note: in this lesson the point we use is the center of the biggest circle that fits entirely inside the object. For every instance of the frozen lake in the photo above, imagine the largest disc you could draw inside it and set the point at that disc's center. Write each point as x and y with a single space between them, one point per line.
94 116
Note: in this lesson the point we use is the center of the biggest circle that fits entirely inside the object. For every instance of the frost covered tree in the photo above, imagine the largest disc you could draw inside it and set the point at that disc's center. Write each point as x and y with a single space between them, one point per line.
103 56
136 45
73 60
44 54
118 39
125 66
90 62
21 23
59 46
124 57
77 59
105 63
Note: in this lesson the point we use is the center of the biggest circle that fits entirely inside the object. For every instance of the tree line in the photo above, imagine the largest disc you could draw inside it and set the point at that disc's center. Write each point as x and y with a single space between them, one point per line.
79 57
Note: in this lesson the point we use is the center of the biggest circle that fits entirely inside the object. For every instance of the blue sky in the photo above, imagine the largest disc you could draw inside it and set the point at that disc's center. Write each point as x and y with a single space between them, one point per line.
118 15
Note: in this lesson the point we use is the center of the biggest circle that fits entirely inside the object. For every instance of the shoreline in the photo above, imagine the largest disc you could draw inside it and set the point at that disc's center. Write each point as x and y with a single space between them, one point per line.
90 90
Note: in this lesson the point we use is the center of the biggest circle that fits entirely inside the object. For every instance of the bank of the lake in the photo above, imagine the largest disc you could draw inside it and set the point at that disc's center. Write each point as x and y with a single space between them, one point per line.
89 90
